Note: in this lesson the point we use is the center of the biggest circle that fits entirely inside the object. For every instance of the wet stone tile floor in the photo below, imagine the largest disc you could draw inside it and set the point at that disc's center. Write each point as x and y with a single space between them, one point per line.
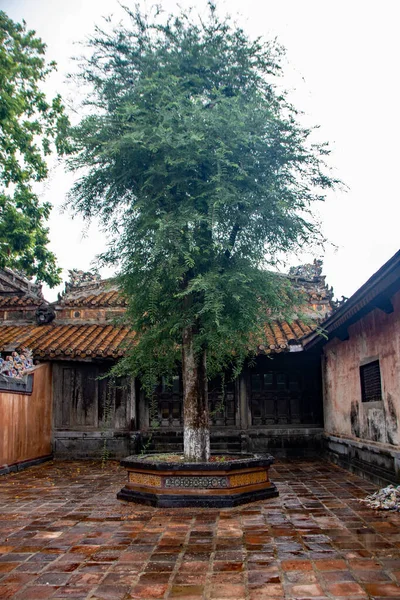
63 534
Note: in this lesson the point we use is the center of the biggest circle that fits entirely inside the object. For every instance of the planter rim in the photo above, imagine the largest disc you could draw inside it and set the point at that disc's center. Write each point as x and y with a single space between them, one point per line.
249 460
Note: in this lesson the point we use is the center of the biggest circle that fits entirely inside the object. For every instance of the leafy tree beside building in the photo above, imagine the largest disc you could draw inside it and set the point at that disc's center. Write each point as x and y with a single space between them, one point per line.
202 174
29 126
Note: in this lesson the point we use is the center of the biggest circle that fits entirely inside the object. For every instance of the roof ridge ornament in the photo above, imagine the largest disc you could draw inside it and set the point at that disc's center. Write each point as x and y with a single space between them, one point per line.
18 283
80 279
308 271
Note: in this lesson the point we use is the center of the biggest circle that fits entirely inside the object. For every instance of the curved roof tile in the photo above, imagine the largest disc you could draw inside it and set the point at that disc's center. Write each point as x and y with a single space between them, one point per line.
70 340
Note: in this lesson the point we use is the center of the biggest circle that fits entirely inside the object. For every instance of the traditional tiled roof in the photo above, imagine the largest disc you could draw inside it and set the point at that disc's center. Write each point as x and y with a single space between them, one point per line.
82 328
18 295
109 341
281 335
376 292
19 301
98 300
66 341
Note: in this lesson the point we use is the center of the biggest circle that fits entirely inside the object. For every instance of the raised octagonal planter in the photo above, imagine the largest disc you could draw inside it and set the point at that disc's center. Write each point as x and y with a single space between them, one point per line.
217 484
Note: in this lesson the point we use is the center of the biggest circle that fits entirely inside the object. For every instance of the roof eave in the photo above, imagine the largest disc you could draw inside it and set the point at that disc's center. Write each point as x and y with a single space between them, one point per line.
386 281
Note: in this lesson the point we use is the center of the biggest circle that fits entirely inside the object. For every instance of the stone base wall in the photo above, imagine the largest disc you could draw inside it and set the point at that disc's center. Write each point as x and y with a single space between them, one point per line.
24 464
95 444
379 463
68 444
281 442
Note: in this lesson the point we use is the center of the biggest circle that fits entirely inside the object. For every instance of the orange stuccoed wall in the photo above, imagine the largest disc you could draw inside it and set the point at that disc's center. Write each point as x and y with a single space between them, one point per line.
26 421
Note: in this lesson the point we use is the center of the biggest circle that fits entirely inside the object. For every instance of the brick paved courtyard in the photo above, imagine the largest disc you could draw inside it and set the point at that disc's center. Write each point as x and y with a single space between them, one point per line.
63 534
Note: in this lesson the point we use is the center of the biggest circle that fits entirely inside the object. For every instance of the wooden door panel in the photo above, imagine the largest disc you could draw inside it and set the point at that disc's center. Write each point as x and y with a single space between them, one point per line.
275 398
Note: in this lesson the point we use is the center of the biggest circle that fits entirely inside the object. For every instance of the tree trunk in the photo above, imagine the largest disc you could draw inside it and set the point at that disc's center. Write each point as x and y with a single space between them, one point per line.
196 430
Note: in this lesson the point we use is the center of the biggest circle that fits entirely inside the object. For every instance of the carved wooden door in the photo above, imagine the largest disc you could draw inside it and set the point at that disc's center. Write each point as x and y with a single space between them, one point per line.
275 398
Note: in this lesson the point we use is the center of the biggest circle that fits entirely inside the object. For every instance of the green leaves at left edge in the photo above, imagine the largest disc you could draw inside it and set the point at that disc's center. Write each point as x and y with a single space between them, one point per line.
30 127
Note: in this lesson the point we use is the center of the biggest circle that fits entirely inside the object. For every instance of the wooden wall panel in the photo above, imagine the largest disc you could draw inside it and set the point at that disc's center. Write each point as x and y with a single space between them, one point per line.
26 421
85 400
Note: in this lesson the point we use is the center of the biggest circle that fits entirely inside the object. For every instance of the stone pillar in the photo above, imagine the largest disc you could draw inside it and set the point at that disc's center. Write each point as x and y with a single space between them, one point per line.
144 416
245 417
132 413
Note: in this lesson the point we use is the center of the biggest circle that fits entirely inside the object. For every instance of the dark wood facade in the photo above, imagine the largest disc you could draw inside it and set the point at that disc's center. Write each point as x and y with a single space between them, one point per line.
85 398
93 414
284 389
223 398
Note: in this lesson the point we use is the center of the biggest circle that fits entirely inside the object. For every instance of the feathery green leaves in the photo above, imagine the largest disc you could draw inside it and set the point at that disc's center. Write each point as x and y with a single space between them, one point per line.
29 126
199 168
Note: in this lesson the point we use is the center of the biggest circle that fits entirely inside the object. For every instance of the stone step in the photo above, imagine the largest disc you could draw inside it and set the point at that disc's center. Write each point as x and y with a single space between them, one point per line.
214 438
220 445
162 447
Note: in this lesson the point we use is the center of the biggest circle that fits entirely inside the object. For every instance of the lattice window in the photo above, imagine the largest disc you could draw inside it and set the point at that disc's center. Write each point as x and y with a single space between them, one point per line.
371 389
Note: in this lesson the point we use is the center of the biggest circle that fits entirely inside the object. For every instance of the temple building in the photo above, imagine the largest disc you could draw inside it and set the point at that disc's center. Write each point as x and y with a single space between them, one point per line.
275 404
337 394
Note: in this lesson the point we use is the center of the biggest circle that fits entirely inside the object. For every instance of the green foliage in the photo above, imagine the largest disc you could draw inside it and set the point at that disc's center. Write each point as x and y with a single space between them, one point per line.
29 124
200 170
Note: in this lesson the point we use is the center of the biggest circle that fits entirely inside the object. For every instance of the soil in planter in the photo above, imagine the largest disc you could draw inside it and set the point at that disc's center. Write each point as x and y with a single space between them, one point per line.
176 458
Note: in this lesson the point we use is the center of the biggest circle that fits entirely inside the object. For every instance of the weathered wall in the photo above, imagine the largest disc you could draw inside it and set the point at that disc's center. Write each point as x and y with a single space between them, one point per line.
84 399
92 418
26 421
376 336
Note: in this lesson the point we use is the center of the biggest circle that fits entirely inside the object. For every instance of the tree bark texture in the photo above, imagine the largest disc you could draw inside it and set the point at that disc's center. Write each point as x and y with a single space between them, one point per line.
196 429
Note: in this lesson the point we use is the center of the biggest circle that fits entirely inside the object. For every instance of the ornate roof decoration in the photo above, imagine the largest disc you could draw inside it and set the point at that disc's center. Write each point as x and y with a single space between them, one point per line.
310 280
80 282
14 283
45 314
16 365
79 278
87 291
309 272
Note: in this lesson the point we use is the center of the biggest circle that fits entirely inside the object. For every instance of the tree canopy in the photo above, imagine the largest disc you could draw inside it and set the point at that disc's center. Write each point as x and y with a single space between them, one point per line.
29 125
199 169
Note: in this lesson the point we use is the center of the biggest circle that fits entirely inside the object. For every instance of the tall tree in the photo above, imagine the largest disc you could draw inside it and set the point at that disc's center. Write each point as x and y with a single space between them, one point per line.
199 169
29 124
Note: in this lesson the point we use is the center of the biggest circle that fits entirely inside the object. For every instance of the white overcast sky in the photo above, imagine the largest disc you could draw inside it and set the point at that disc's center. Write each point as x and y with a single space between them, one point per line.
342 67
